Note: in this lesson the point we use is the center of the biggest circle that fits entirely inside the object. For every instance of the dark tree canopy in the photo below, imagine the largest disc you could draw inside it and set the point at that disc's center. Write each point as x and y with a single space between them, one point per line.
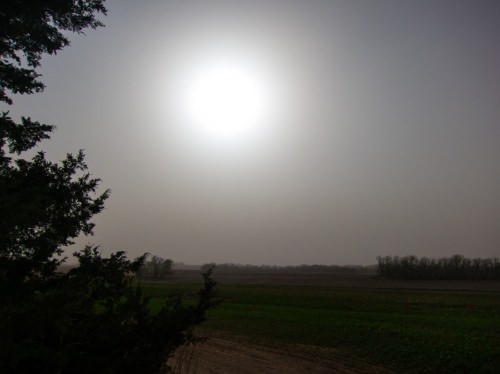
43 205
31 28
93 318
454 267
156 268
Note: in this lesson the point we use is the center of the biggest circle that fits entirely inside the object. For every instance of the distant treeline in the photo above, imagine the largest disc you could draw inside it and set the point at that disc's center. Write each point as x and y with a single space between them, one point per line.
301 269
454 267
156 268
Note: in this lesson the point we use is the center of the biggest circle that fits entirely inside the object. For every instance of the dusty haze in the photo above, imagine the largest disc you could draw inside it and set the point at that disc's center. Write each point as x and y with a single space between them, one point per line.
386 141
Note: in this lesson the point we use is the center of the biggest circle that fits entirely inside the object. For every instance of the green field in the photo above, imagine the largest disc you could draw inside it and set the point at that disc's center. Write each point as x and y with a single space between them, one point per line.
409 330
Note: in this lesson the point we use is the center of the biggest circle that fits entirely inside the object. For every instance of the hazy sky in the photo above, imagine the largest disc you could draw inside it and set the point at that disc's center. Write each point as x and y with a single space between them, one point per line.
382 133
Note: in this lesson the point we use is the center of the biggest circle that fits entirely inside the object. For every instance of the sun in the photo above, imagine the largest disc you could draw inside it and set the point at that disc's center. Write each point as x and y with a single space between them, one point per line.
225 100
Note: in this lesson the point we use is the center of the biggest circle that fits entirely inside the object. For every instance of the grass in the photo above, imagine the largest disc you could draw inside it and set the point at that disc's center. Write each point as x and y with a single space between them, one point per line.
404 329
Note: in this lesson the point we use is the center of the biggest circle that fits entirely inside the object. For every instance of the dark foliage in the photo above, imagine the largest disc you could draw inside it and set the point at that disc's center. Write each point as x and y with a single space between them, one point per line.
93 319
156 268
29 29
43 205
42 208
455 267
299 269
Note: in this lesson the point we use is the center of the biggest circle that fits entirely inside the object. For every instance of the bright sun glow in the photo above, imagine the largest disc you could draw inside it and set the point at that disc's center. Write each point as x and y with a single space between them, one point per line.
225 100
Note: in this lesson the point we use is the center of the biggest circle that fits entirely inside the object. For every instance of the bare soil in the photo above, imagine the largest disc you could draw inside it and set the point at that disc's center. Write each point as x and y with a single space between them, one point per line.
229 355
363 280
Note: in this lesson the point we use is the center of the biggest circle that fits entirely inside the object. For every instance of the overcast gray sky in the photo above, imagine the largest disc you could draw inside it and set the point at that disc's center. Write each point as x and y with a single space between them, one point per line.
384 136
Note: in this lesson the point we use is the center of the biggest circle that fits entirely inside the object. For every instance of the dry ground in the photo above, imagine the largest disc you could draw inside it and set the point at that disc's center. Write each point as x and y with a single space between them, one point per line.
367 280
229 354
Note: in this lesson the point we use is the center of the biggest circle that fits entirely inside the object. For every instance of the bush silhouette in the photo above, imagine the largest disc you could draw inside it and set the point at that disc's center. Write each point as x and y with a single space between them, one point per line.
93 318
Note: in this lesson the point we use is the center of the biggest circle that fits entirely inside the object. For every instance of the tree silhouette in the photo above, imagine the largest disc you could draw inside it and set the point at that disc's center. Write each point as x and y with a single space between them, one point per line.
156 267
43 205
31 29
454 267
93 318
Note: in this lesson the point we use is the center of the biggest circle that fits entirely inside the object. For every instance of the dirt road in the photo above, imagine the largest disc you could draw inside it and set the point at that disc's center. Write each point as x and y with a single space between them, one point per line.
228 355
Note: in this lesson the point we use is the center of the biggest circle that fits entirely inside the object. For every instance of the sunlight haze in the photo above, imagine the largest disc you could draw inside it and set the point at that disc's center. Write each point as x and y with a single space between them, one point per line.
285 132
